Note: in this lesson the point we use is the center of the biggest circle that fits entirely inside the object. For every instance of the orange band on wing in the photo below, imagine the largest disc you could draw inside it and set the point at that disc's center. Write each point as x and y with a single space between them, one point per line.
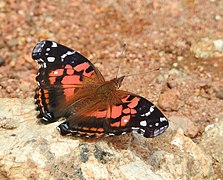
134 102
88 74
126 110
70 71
125 120
57 72
133 111
81 67
124 100
68 66
100 129
52 80
116 124
93 129
71 80
116 111
68 92
101 114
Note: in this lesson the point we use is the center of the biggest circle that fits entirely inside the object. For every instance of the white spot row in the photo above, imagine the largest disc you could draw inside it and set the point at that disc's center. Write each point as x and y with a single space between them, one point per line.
151 109
135 128
143 123
163 119
157 132
67 54
44 65
51 59
49 115
40 60
54 44
39 47
45 119
163 128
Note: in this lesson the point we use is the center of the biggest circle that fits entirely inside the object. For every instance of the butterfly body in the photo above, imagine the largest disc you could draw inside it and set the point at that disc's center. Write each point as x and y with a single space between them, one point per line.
68 85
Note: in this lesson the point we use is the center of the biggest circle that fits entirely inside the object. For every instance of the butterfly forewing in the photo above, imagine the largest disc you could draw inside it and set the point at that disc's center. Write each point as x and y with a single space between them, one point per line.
62 73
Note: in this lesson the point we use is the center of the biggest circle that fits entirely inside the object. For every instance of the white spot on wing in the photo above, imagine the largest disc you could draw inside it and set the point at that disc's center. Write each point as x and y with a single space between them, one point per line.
163 119
49 115
135 128
151 109
41 60
143 123
45 119
157 124
51 59
54 44
67 54
156 132
55 72
63 56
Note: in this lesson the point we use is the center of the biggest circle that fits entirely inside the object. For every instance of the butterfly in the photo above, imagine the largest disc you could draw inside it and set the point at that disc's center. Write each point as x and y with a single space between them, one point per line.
70 86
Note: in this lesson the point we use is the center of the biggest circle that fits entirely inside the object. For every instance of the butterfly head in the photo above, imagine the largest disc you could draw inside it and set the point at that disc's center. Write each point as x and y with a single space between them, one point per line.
118 81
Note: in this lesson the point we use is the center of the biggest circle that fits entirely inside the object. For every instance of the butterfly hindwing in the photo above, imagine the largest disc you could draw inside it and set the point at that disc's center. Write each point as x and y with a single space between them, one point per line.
131 113
62 73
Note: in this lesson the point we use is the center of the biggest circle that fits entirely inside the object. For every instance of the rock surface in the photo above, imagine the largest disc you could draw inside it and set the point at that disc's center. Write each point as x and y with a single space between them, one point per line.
212 143
33 151
207 47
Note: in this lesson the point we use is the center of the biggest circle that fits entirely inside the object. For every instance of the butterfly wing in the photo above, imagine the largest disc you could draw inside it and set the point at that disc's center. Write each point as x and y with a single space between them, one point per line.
62 73
129 113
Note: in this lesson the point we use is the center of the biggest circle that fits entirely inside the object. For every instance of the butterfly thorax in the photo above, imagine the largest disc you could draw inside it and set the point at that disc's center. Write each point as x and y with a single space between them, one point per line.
108 88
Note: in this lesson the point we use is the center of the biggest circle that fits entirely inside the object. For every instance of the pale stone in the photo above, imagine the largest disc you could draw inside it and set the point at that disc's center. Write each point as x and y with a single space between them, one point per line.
212 142
30 150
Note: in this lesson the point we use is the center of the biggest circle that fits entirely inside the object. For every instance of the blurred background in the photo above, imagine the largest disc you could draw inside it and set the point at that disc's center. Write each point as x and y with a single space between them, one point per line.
183 37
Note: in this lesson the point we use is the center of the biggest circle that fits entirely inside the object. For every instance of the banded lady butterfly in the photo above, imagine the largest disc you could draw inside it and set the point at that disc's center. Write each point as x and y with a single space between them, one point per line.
70 86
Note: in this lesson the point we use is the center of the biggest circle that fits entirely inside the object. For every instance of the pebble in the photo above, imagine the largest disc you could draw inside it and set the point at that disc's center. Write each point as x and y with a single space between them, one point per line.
219 93
12 42
189 128
217 17
170 100
2 61
218 45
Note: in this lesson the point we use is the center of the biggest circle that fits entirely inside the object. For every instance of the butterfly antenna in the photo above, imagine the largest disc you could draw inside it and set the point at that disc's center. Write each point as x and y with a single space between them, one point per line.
152 70
121 56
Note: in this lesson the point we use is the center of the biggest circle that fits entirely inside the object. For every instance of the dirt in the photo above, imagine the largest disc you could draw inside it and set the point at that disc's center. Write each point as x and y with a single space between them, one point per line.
158 34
